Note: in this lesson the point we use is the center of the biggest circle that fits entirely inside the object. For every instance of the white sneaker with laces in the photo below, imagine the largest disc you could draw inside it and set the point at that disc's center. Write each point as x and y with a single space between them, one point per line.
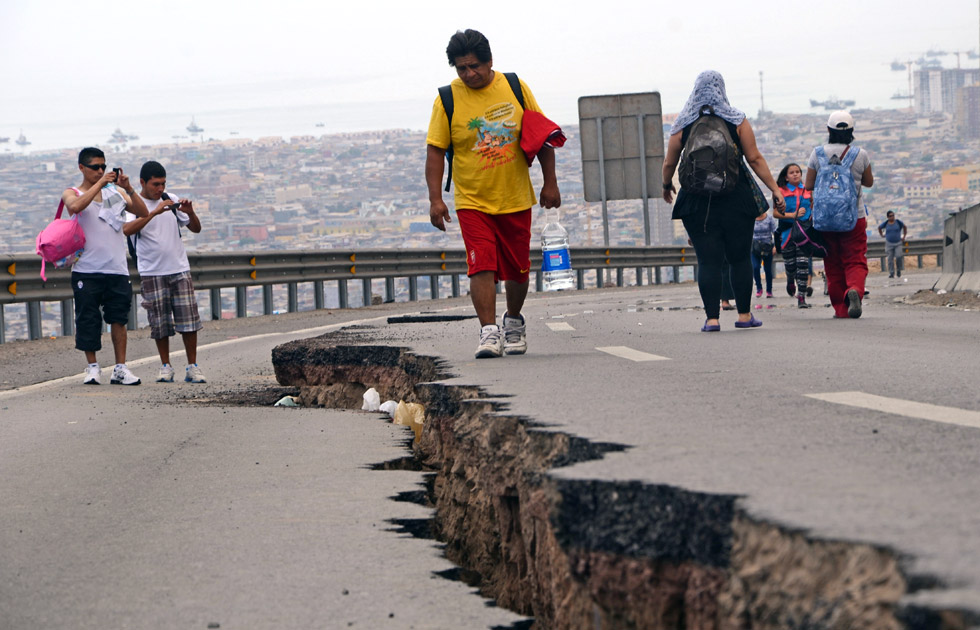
194 374
491 342
93 375
166 374
515 335
122 376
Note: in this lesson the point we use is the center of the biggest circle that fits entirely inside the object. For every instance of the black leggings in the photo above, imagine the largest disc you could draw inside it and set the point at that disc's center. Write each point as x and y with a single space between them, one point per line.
722 236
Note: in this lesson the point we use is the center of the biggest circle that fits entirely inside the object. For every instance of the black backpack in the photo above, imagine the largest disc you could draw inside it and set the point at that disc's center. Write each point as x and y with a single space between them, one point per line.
446 94
131 239
710 161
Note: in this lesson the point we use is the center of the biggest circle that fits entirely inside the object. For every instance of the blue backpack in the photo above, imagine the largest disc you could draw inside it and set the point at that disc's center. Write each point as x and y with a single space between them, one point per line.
835 207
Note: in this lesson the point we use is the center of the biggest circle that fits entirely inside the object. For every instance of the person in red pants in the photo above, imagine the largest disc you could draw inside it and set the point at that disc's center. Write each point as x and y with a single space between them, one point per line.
846 263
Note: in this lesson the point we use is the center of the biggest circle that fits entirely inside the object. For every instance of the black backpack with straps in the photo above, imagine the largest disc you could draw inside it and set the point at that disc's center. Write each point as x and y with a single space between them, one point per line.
711 159
446 94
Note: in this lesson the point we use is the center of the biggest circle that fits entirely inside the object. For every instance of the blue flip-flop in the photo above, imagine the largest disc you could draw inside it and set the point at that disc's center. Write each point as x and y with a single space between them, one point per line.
711 328
752 323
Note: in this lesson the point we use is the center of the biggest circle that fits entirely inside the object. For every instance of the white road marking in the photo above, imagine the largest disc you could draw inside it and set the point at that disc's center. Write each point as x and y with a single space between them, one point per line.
907 408
559 326
631 354
319 330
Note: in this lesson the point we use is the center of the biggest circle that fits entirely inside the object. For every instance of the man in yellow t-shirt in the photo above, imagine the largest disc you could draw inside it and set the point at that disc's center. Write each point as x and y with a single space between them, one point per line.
493 192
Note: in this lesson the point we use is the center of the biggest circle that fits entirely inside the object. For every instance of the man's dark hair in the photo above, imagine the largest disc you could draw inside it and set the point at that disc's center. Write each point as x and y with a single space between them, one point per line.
889 214
781 180
85 155
468 42
840 136
152 169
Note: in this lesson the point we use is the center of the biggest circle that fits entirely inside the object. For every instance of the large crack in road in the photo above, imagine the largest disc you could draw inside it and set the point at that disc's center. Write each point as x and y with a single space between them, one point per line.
587 554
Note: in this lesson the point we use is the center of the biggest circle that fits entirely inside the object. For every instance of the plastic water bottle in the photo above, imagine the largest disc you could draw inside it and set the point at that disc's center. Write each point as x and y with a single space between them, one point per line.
556 264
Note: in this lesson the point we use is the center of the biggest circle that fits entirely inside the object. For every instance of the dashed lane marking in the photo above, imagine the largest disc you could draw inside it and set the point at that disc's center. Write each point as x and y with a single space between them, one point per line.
907 408
559 326
624 352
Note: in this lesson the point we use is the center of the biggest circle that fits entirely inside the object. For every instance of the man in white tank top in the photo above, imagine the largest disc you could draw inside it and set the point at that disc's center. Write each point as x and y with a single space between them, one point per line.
100 277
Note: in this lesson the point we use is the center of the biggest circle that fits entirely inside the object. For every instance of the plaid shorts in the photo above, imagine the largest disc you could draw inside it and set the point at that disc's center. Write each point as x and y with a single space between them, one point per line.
170 304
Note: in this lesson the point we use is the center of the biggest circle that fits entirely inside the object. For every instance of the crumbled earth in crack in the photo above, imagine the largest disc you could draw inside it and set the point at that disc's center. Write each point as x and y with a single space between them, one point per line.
586 554
962 300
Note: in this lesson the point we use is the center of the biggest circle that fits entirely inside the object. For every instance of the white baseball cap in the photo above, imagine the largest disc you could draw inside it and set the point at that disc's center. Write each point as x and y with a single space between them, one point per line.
840 119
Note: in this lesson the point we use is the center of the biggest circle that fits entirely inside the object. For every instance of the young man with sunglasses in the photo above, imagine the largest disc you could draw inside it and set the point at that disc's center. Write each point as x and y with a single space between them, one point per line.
100 277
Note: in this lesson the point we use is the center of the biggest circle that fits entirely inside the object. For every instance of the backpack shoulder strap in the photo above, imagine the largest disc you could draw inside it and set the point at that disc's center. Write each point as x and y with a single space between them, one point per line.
849 156
821 155
446 95
515 87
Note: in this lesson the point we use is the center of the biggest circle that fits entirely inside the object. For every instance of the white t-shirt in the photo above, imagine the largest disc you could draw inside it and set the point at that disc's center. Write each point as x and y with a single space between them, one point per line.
105 248
861 164
159 250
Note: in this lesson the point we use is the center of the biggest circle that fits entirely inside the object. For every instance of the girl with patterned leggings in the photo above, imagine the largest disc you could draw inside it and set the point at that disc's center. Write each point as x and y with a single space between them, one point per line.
798 206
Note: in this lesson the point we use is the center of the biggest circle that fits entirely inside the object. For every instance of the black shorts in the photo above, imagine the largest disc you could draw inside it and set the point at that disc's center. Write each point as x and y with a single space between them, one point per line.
98 297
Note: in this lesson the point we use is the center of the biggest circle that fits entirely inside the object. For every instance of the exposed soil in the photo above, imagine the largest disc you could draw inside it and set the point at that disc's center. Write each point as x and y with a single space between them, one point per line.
962 300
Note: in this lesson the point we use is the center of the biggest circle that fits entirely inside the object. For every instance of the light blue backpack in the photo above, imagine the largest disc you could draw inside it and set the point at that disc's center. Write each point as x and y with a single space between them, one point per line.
835 207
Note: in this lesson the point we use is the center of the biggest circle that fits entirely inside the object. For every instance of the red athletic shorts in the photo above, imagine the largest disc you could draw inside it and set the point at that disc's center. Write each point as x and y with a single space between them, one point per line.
500 243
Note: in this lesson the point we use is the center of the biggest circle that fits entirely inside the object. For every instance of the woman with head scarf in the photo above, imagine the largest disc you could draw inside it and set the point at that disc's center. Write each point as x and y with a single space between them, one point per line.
720 225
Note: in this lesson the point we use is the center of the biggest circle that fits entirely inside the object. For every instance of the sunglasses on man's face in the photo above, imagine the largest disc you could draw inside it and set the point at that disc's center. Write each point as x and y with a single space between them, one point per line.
95 167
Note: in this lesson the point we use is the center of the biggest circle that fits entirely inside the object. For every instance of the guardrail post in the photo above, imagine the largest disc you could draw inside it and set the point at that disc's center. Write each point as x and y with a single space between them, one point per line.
132 322
34 320
413 288
241 302
342 293
434 287
389 289
639 276
657 277
677 273
67 317
619 276
580 279
366 291
456 284
216 303
292 297
318 294
884 263
919 257
267 299
3 334
538 282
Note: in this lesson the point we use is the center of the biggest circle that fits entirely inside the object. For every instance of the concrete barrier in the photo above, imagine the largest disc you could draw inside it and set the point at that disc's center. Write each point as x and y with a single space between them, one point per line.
961 252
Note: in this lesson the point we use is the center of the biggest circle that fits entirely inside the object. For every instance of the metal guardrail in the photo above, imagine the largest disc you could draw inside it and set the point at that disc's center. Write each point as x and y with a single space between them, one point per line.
20 280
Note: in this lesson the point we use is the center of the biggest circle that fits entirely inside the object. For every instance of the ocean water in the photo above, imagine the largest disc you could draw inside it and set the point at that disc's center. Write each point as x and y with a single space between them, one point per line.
221 124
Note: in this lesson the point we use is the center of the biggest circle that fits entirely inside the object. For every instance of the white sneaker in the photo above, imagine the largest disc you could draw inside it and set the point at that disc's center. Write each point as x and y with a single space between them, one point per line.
515 335
491 342
93 375
194 374
122 376
166 374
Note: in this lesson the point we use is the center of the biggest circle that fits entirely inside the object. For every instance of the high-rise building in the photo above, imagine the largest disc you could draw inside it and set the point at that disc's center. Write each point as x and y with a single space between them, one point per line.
967 117
936 89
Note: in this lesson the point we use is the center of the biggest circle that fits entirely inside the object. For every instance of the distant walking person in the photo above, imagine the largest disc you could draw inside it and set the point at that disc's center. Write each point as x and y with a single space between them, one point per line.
718 208
895 234
837 200
763 249
165 273
493 192
798 208
100 278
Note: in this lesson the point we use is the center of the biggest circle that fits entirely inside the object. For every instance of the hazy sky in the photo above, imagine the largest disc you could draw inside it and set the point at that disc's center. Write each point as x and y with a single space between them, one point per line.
65 61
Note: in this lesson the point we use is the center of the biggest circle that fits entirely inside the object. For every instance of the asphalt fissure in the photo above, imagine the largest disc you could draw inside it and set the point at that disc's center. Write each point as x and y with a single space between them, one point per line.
586 554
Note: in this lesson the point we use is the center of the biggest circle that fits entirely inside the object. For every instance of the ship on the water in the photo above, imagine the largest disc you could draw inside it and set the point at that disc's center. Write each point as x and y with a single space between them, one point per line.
832 103
118 137
22 140
193 128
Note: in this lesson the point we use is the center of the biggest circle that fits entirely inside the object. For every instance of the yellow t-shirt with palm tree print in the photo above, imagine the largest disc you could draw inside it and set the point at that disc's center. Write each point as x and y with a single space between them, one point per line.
490 172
